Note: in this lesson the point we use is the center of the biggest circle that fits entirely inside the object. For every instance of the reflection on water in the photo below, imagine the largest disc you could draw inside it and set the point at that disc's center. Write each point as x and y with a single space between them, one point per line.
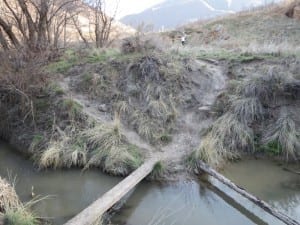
71 190
270 182
189 202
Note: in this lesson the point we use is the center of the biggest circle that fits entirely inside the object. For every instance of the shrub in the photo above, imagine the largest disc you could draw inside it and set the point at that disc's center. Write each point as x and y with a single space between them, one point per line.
159 171
283 133
19 217
225 140
110 149
264 87
248 110
71 109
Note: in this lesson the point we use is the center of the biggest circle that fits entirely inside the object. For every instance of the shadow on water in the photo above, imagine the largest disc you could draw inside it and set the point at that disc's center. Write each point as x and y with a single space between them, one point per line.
231 201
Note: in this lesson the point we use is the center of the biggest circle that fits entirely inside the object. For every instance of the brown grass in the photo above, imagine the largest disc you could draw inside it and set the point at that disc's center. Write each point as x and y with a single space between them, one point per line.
8 196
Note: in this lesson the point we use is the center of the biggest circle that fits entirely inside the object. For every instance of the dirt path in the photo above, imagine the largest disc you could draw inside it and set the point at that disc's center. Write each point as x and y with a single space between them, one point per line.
193 122
190 122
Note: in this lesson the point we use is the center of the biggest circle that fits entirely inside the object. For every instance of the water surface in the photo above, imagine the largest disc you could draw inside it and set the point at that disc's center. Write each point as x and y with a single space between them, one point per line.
185 202
70 190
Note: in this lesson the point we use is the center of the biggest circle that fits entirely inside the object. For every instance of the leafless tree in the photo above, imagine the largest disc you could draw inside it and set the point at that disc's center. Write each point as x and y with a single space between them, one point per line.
35 24
102 22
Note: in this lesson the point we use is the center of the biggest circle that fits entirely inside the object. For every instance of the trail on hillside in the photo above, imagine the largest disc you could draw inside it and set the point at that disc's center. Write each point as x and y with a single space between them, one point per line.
191 122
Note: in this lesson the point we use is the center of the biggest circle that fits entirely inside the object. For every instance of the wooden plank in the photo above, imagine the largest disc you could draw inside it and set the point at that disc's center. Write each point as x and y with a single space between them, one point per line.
262 204
94 212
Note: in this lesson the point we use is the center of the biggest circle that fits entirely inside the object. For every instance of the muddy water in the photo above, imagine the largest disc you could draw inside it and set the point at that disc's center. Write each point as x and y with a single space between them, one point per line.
188 202
269 181
71 191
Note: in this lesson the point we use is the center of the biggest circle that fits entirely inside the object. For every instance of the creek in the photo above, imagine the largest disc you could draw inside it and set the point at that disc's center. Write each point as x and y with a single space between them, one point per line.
190 202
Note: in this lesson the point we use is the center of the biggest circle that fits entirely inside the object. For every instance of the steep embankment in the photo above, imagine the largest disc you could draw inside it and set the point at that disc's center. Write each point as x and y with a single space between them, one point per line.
113 108
150 101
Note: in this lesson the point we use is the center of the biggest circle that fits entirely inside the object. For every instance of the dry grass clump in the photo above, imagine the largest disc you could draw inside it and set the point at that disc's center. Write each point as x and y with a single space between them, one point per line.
160 171
264 87
284 137
103 146
248 110
110 149
158 109
8 196
248 103
19 217
226 139
71 110
146 128
68 151
11 209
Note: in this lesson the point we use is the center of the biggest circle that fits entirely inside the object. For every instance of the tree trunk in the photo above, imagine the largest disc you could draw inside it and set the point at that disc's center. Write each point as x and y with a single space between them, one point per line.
8 30
31 25
42 26
265 206
3 41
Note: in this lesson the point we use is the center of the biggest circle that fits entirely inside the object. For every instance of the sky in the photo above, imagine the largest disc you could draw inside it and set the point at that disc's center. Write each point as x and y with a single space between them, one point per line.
127 7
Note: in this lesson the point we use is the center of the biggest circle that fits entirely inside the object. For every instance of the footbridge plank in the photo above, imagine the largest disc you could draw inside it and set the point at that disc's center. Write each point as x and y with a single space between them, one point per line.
93 213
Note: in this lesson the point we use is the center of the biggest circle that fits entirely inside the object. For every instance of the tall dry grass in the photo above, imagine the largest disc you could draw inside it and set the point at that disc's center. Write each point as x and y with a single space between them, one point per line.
110 149
226 139
8 196
284 136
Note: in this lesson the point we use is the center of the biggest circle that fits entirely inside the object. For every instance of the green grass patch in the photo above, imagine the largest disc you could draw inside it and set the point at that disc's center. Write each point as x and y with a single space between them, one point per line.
56 89
233 56
69 59
273 148
41 104
159 171
19 217
97 55
71 108
283 137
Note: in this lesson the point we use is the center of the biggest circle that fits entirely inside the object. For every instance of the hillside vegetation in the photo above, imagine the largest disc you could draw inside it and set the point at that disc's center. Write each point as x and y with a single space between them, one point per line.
232 91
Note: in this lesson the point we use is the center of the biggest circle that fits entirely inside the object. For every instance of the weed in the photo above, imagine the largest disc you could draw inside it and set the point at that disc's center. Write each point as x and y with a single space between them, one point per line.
248 110
36 142
284 137
19 217
8 197
96 55
239 57
55 89
226 138
191 161
52 156
266 88
158 109
159 171
14 212
110 149
68 60
273 147
75 154
122 107
72 109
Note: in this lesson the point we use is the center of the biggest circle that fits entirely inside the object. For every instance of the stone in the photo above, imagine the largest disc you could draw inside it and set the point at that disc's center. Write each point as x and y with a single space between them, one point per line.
102 108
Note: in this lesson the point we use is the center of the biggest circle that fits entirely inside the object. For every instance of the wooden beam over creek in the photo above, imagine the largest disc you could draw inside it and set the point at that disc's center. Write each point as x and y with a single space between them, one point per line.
94 212
262 204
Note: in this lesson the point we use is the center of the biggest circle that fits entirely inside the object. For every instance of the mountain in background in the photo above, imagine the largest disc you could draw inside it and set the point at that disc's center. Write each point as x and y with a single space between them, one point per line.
172 13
